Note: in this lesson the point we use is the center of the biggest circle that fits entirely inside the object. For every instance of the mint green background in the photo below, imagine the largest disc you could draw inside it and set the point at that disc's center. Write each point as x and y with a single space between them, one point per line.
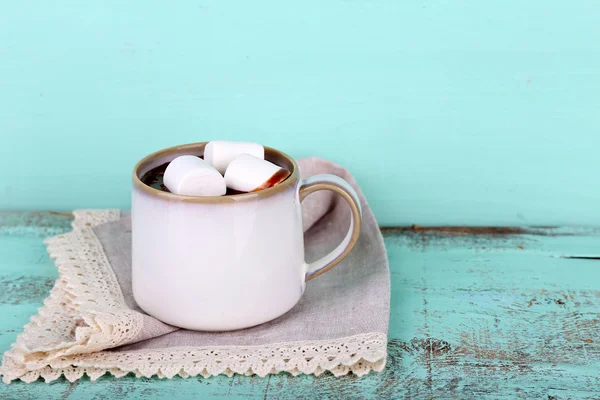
447 112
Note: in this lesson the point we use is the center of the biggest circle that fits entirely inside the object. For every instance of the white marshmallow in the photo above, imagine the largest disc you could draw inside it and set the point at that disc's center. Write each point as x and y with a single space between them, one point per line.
192 176
219 153
247 173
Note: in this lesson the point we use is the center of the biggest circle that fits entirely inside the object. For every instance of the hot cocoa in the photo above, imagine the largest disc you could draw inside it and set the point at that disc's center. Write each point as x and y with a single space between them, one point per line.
154 179
227 168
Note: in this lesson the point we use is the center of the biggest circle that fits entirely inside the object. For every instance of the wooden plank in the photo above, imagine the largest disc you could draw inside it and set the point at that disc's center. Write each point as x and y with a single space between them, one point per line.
475 314
34 223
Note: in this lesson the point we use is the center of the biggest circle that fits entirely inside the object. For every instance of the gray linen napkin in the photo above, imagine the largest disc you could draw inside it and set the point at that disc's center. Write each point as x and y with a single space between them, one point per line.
340 324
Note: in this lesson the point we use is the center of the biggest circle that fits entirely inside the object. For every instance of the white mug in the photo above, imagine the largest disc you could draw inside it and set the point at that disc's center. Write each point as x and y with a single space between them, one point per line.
229 262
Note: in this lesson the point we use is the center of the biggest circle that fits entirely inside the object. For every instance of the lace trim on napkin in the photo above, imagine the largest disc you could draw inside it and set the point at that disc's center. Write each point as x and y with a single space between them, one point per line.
86 313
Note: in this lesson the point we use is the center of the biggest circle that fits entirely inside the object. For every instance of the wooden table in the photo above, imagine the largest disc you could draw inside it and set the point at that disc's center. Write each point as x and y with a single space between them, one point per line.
476 312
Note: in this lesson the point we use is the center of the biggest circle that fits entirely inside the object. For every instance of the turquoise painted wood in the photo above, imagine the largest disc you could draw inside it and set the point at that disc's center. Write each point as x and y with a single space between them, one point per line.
448 112
489 313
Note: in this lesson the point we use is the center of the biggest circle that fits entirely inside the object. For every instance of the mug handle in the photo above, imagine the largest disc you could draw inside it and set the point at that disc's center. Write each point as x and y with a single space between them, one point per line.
340 186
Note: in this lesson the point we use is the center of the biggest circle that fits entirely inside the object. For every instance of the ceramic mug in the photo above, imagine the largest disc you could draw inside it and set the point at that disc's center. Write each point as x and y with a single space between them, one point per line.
229 262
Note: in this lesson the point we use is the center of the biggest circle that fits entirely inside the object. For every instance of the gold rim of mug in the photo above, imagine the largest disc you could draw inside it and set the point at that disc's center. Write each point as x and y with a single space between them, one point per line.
271 154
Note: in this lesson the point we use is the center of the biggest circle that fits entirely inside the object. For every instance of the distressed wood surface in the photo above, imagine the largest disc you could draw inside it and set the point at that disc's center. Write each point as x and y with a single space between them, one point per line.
476 313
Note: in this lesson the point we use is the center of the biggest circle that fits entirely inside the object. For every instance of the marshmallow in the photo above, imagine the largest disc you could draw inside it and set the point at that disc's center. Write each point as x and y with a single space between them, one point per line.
248 173
192 176
219 153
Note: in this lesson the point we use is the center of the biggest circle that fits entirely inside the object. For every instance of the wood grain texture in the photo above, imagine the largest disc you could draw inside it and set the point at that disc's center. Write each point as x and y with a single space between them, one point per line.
475 314
34 223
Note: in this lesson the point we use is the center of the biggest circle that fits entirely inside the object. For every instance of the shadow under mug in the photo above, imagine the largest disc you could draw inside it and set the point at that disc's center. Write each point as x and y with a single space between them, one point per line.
228 262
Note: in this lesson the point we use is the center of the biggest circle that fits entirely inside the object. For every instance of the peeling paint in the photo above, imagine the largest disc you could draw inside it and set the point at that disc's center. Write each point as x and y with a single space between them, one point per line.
34 223
473 316
24 289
